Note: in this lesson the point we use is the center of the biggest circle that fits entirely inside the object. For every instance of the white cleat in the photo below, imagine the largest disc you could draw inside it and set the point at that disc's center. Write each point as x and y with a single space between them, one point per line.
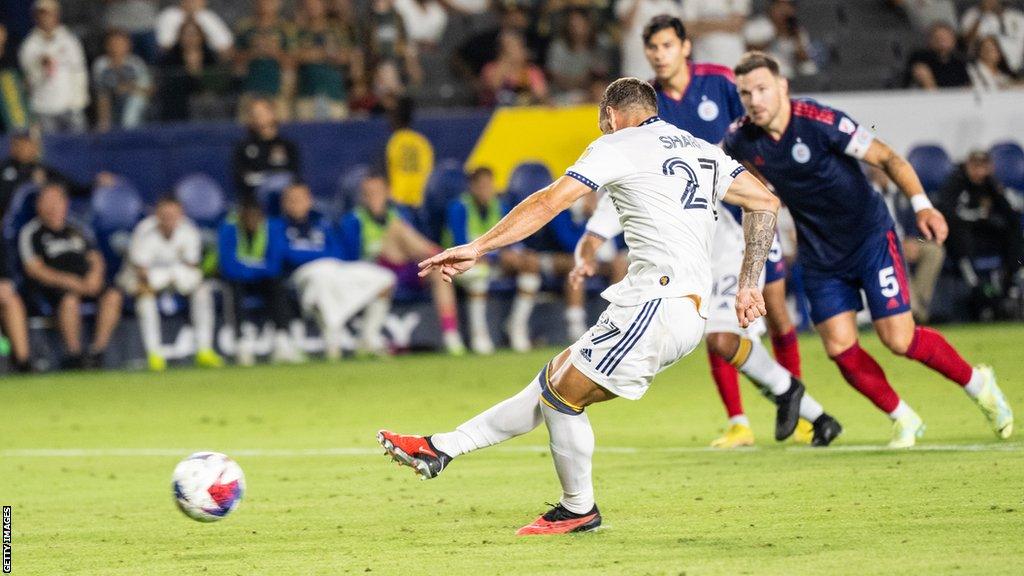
482 344
993 404
906 430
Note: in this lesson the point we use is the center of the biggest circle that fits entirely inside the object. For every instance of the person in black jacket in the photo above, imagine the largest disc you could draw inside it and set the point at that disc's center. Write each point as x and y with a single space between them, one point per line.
982 225
263 152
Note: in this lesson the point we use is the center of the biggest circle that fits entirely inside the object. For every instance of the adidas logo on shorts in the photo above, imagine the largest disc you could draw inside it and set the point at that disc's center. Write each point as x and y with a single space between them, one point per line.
585 352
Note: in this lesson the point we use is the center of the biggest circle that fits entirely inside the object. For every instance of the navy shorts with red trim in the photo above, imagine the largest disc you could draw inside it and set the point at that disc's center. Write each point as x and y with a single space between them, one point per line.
878 269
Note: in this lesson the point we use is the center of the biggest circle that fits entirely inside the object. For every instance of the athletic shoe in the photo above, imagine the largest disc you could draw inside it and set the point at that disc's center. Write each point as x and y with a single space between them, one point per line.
788 413
208 358
826 429
804 433
906 430
453 343
559 520
482 344
736 436
415 452
994 405
157 363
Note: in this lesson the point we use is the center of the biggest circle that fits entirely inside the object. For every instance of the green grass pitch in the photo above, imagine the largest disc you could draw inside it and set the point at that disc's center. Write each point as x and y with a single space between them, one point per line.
85 460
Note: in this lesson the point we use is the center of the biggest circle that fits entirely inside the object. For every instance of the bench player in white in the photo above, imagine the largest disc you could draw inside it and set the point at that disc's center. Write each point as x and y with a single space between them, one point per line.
741 346
665 184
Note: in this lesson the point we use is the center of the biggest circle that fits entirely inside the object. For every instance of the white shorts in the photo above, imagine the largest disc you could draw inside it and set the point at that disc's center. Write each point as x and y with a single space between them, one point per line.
629 345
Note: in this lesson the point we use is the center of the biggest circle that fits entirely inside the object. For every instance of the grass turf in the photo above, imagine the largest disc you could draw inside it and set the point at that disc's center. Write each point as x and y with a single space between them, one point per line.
85 461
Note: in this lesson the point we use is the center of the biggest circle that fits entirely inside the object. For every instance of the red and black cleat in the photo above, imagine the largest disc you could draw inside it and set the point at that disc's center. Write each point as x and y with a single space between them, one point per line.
415 452
559 520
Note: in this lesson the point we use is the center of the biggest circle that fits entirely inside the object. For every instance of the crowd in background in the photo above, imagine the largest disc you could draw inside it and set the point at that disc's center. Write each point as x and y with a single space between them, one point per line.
136 61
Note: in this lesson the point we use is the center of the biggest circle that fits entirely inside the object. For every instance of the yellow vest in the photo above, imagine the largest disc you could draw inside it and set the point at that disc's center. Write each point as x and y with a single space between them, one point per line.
410 160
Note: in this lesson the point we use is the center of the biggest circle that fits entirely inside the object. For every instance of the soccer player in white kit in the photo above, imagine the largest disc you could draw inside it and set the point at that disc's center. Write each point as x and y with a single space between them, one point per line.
665 185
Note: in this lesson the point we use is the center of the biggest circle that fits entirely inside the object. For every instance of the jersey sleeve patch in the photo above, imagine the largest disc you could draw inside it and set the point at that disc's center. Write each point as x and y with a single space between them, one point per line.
739 170
859 143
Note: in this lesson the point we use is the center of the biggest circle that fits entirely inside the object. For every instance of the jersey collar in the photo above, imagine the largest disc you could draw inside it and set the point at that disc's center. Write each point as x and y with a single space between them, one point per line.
650 120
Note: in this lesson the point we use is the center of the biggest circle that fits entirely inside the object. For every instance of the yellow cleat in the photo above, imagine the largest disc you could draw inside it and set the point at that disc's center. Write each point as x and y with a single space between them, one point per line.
156 363
736 436
804 433
208 358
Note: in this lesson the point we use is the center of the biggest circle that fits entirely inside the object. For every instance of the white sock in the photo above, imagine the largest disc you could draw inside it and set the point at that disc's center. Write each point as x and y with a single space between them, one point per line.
739 419
764 370
477 310
149 322
527 285
507 419
572 449
901 410
973 387
810 409
373 323
201 304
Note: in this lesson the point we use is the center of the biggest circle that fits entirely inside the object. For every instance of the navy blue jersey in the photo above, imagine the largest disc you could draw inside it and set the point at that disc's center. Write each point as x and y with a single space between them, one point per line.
814 168
708 106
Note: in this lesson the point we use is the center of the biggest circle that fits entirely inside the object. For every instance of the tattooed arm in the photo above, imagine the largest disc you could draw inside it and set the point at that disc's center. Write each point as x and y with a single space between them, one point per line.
929 220
759 209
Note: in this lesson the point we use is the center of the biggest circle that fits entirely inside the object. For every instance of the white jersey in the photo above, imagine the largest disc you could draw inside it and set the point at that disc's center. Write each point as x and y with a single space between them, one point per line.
150 249
665 185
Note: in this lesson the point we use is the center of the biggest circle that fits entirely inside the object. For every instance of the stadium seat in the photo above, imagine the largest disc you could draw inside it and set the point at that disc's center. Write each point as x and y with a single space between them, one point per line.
269 192
526 179
116 209
347 194
202 199
1008 158
932 165
446 183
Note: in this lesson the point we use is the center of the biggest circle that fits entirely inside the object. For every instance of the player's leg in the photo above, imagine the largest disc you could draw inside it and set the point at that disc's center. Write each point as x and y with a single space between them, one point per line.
780 327
15 323
447 313
108 315
525 264
149 325
279 306
727 381
69 321
575 297
202 314
477 283
788 393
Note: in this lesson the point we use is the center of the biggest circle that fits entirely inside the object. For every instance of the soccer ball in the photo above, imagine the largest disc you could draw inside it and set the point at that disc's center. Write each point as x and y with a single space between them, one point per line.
208 486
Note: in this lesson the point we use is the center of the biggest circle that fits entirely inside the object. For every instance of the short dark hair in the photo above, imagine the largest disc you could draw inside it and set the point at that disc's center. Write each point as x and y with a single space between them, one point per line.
630 93
756 59
480 172
664 22
167 199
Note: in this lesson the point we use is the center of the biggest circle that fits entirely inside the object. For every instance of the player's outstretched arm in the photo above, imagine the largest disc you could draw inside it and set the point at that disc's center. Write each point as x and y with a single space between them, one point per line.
929 220
529 216
759 212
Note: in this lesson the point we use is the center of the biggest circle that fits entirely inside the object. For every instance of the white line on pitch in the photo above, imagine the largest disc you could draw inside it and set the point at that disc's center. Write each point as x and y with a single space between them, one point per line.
320 452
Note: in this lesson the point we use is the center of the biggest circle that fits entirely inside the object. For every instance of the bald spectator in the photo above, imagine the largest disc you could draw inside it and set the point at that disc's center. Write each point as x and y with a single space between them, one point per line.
55 70
64 269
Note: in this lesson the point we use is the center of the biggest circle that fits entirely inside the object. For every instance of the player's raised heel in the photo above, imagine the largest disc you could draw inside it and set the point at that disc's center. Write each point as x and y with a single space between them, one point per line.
560 520
906 430
788 414
415 452
994 405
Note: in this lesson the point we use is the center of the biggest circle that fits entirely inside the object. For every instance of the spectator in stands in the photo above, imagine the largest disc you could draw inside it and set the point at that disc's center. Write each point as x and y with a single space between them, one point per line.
389 42
122 83
984 231
13 103
64 269
780 33
633 15
342 14
137 18
479 49
251 249
332 291
409 157
923 13
164 256
511 79
988 69
386 92
324 52
940 65
375 232
264 152
576 56
56 73
265 56
925 256
424 21
995 18
24 166
716 28
192 76
170 25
